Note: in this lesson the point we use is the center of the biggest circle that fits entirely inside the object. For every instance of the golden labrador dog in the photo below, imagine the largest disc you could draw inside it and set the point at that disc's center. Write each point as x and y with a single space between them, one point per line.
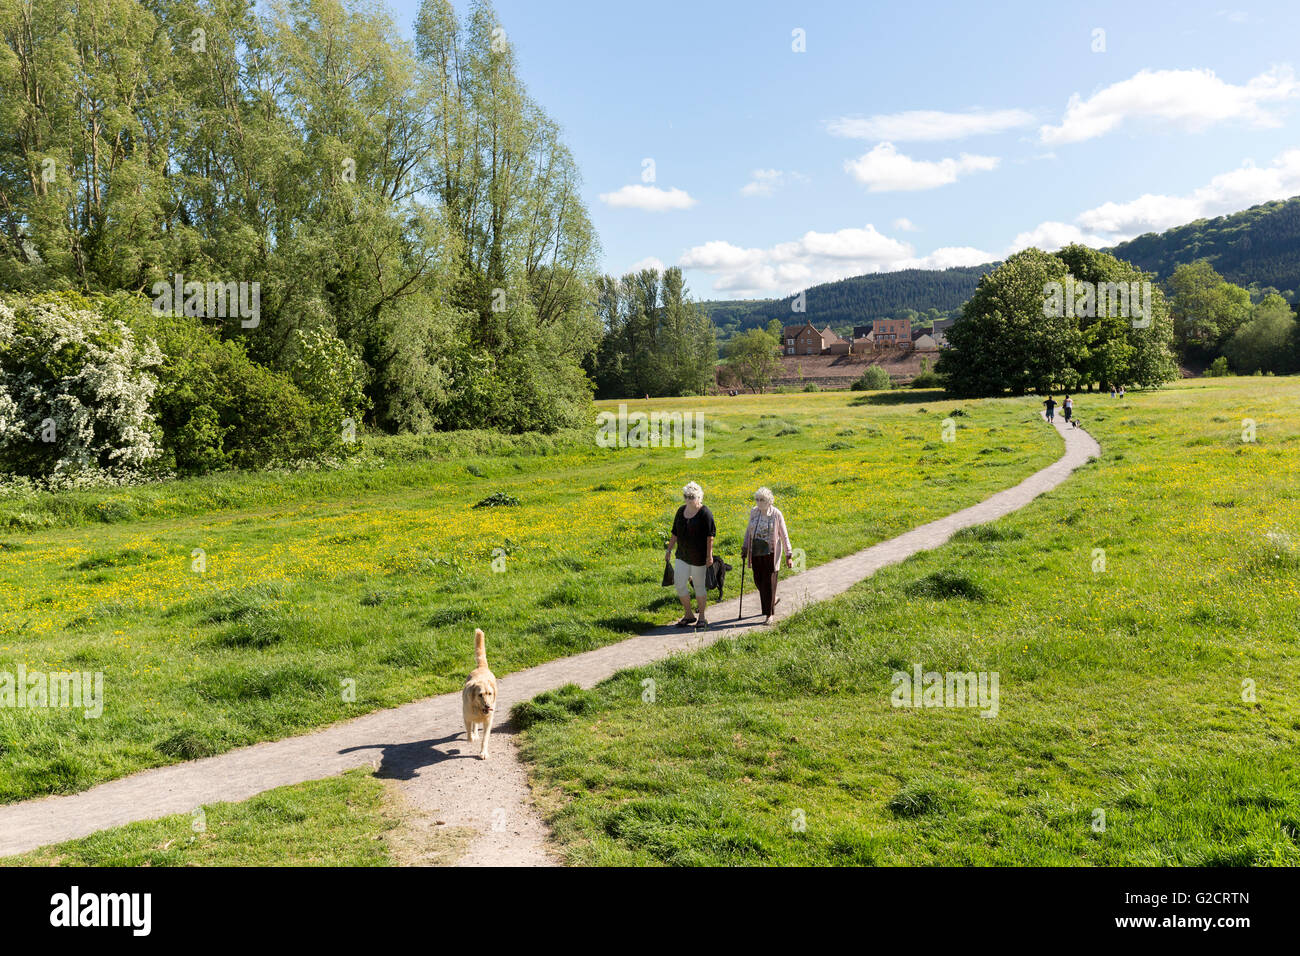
479 697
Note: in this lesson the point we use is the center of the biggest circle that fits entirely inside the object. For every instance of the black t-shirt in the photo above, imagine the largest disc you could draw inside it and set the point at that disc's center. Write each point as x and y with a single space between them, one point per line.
693 535
1050 403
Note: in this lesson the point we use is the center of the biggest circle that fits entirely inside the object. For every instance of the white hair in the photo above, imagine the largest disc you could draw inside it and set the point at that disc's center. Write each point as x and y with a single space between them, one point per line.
693 490
765 494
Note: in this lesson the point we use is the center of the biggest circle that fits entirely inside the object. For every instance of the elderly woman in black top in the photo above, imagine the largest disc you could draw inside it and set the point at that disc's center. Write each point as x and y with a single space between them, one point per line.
693 533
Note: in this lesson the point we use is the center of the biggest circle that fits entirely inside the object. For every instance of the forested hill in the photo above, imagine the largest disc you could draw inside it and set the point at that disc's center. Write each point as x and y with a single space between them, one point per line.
857 299
1256 248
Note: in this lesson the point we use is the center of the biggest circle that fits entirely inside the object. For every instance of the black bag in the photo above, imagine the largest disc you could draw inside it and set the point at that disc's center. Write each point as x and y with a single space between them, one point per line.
668 574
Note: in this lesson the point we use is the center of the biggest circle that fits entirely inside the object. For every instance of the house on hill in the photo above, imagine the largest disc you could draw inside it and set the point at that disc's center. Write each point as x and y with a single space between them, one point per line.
861 341
888 333
862 338
923 341
832 344
940 332
801 340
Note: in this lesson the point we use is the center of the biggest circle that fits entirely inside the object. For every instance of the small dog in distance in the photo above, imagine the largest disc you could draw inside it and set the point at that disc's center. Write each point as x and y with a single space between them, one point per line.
479 697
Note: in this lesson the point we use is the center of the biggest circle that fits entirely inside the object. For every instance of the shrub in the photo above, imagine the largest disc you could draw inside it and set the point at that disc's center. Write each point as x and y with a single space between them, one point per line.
873 379
928 380
331 375
218 409
1218 368
498 499
75 392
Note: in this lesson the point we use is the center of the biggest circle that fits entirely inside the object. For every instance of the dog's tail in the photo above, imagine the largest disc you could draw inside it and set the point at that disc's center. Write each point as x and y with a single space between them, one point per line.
480 652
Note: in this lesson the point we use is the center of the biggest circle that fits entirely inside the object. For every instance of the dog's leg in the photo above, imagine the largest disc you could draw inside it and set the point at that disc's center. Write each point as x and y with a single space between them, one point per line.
487 732
469 731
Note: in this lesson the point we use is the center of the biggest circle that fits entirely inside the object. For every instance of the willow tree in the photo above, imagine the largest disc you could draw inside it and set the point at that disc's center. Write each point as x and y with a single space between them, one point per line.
509 193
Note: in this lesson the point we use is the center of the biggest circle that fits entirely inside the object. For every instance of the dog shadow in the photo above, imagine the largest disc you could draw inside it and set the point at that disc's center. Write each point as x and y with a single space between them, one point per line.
404 761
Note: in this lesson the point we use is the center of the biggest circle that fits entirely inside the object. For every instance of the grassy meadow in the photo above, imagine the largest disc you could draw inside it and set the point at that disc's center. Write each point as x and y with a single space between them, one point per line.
239 608
1144 619
350 820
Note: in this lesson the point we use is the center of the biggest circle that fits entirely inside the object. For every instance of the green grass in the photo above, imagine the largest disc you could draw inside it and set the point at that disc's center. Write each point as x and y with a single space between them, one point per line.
371 578
349 820
1127 614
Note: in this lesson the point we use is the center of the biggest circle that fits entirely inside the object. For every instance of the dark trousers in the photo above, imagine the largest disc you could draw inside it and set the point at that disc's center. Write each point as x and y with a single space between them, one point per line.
765 580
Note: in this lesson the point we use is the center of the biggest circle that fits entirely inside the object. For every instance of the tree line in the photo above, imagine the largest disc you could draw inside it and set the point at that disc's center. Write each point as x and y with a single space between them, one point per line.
406 203
1043 322
1219 324
655 341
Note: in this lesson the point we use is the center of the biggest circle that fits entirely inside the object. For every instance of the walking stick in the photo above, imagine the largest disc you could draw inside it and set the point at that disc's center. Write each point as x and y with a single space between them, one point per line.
741 612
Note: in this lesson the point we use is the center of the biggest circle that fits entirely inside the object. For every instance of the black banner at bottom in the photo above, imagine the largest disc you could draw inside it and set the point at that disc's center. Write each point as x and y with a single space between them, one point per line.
337 906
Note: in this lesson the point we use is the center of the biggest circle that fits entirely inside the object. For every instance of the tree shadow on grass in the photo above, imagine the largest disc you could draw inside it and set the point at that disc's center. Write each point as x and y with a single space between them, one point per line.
902 396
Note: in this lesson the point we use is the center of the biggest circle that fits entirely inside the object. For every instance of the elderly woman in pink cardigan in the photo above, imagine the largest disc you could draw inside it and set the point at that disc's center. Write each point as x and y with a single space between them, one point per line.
765 541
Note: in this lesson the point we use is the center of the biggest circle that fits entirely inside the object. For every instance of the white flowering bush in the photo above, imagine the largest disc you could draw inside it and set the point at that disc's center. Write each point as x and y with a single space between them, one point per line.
75 393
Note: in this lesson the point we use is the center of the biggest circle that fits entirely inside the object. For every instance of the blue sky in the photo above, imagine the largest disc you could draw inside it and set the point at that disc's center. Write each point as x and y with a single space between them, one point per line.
919 134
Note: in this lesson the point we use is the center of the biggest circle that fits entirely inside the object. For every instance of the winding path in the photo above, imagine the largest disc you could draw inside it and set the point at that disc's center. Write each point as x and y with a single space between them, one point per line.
421 745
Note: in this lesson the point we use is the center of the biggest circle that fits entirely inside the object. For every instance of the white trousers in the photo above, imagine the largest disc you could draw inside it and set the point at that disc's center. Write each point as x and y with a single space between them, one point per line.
695 574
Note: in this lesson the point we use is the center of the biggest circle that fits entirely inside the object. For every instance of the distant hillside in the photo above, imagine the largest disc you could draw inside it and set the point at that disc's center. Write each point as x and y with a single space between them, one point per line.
846 302
1259 247
1256 248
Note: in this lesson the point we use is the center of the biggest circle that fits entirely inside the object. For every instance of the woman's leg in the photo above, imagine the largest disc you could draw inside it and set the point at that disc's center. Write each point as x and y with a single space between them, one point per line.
682 584
776 573
699 578
764 573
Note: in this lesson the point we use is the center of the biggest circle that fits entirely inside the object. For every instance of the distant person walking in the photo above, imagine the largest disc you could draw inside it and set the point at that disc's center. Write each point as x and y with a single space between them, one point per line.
693 533
1050 405
1067 408
766 539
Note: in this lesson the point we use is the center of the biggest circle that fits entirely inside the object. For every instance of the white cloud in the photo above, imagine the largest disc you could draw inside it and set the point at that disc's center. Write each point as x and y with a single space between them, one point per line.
1114 222
1190 99
949 257
885 169
826 256
1050 236
1248 185
649 262
903 224
763 182
814 258
928 125
648 198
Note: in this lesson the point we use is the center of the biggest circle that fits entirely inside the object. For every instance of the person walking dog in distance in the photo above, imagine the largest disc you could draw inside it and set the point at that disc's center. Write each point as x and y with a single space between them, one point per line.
766 539
693 533
1050 405
1067 408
